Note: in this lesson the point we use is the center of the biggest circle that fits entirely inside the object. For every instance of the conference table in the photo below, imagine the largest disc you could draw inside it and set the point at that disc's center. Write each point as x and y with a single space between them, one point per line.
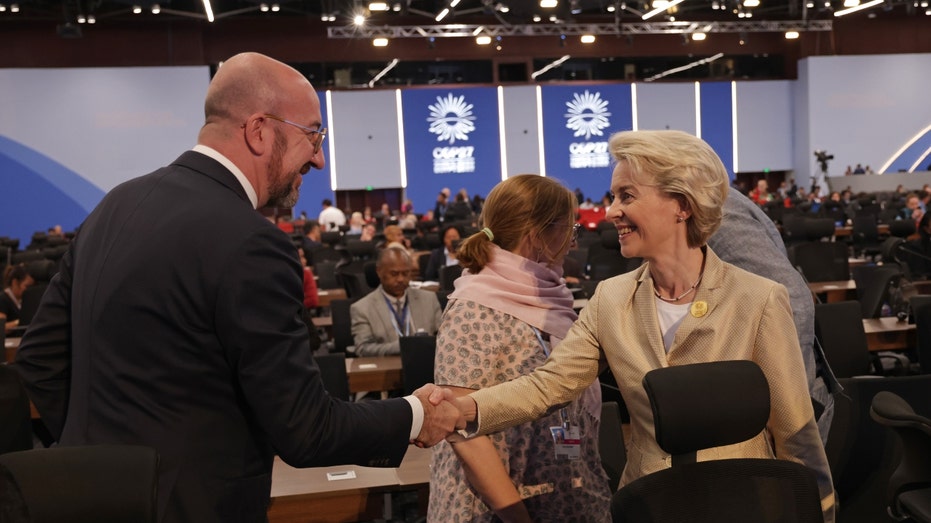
834 291
346 492
889 334
376 373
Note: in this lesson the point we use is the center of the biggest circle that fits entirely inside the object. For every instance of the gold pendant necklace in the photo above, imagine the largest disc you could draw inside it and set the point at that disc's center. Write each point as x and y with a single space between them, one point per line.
683 295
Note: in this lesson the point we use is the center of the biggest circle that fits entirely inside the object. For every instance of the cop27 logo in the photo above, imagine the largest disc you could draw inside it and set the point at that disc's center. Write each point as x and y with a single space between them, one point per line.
587 114
451 118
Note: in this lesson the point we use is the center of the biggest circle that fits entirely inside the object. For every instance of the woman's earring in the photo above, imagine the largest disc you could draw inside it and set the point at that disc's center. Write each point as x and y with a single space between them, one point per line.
679 219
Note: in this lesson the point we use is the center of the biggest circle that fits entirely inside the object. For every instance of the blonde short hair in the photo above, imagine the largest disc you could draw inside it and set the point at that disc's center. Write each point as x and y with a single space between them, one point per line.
682 166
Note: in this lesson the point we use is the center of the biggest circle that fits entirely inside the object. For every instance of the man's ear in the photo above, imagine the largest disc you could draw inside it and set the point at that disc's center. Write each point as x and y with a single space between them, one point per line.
257 135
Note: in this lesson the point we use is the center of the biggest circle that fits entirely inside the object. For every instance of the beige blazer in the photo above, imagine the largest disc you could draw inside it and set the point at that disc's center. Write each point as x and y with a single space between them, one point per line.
748 317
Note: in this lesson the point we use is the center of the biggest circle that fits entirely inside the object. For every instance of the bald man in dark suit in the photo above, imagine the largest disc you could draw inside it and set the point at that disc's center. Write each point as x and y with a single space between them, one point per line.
175 321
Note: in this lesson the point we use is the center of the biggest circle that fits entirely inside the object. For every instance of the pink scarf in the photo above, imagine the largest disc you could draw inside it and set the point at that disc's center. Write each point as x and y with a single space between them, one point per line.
525 289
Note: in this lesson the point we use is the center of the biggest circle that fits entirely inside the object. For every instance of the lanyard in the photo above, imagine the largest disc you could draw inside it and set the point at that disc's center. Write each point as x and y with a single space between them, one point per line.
399 318
563 412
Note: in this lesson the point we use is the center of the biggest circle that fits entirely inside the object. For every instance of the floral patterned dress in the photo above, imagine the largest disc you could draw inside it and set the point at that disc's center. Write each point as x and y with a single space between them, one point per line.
478 347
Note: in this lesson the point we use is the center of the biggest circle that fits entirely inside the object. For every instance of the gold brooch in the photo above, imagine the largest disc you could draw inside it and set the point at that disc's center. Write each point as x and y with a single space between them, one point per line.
699 308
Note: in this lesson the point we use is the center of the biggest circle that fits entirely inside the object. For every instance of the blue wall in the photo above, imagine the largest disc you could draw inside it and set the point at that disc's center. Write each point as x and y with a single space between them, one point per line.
125 122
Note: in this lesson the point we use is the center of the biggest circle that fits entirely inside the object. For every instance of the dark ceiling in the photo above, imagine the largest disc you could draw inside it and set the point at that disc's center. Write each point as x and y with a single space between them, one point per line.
422 12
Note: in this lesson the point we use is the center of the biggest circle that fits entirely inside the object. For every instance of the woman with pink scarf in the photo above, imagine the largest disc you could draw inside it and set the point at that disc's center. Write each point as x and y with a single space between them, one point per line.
510 307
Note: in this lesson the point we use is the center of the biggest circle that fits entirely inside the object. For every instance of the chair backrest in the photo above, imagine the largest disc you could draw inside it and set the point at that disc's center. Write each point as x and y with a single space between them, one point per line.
333 373
821 261
342 325
417 355
89 484
448 275
873 282
611 443
325 270
15 422
921 314
735 398
733 406
913 471
839 328
32 297
863 454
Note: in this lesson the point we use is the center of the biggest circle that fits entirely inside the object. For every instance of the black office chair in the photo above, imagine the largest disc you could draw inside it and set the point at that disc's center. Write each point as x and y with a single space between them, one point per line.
865 235
611 443
920 314
417 355
448 276
325 270
873 283
839 328
821 261
342 326
909 494
862 453
333 372
733 406
88 484
15 420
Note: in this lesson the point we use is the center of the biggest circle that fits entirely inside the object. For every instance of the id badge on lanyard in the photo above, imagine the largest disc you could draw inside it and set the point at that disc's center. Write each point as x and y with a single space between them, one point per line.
567 438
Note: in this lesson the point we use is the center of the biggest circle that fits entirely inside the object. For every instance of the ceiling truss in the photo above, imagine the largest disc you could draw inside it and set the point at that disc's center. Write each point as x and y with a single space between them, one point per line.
626 28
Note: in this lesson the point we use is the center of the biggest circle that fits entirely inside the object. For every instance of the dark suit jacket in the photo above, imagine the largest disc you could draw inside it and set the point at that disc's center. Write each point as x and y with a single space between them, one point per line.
175 322
436 262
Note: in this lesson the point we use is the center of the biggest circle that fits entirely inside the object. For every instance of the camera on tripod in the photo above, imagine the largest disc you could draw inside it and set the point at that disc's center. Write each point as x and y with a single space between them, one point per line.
823 157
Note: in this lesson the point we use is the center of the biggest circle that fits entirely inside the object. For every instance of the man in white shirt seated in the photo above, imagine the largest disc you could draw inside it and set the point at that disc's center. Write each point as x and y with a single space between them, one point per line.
331 217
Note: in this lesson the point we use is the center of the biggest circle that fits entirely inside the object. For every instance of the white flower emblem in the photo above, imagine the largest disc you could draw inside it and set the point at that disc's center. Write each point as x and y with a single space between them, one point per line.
587 115
451 118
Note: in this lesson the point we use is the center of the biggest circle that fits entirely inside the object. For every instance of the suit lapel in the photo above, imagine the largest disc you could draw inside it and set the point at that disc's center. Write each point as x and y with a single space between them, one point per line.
706 293
646 315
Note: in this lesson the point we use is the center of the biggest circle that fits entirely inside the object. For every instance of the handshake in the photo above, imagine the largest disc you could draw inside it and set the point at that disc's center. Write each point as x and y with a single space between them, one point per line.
444 412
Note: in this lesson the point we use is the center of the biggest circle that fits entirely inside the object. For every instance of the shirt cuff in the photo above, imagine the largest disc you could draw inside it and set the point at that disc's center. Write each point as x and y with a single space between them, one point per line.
417 416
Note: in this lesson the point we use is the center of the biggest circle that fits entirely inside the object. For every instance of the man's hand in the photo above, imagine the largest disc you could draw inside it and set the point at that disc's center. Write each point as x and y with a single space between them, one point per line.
441 417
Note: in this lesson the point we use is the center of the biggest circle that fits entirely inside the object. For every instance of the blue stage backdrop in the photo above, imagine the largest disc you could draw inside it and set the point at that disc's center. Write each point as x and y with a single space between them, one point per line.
717 121
316 184
577 122
451 139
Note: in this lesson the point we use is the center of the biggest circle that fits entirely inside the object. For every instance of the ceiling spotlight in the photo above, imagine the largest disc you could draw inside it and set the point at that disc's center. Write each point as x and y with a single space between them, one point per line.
536 18
699 36
660 4
14 8
91 19
587 39
81 18
851 3
611 8
2 8
276 8
827 5
751 3
740 14
553 18
548 4
378 6
809 4
483 40
791 35
137 9
156 9
264 8
358 19
380 42
923 4
502 8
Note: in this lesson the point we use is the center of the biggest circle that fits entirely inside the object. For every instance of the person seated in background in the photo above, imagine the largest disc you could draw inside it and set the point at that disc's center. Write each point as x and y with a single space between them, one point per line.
445 255
311 296
356 221
514 297
393 309
284 223
368 232
760 194
331 218
16 279
917 253
394 237
311 240
912 210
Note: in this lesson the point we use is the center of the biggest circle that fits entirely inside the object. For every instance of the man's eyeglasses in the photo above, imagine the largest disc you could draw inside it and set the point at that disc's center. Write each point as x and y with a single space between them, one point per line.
316 136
